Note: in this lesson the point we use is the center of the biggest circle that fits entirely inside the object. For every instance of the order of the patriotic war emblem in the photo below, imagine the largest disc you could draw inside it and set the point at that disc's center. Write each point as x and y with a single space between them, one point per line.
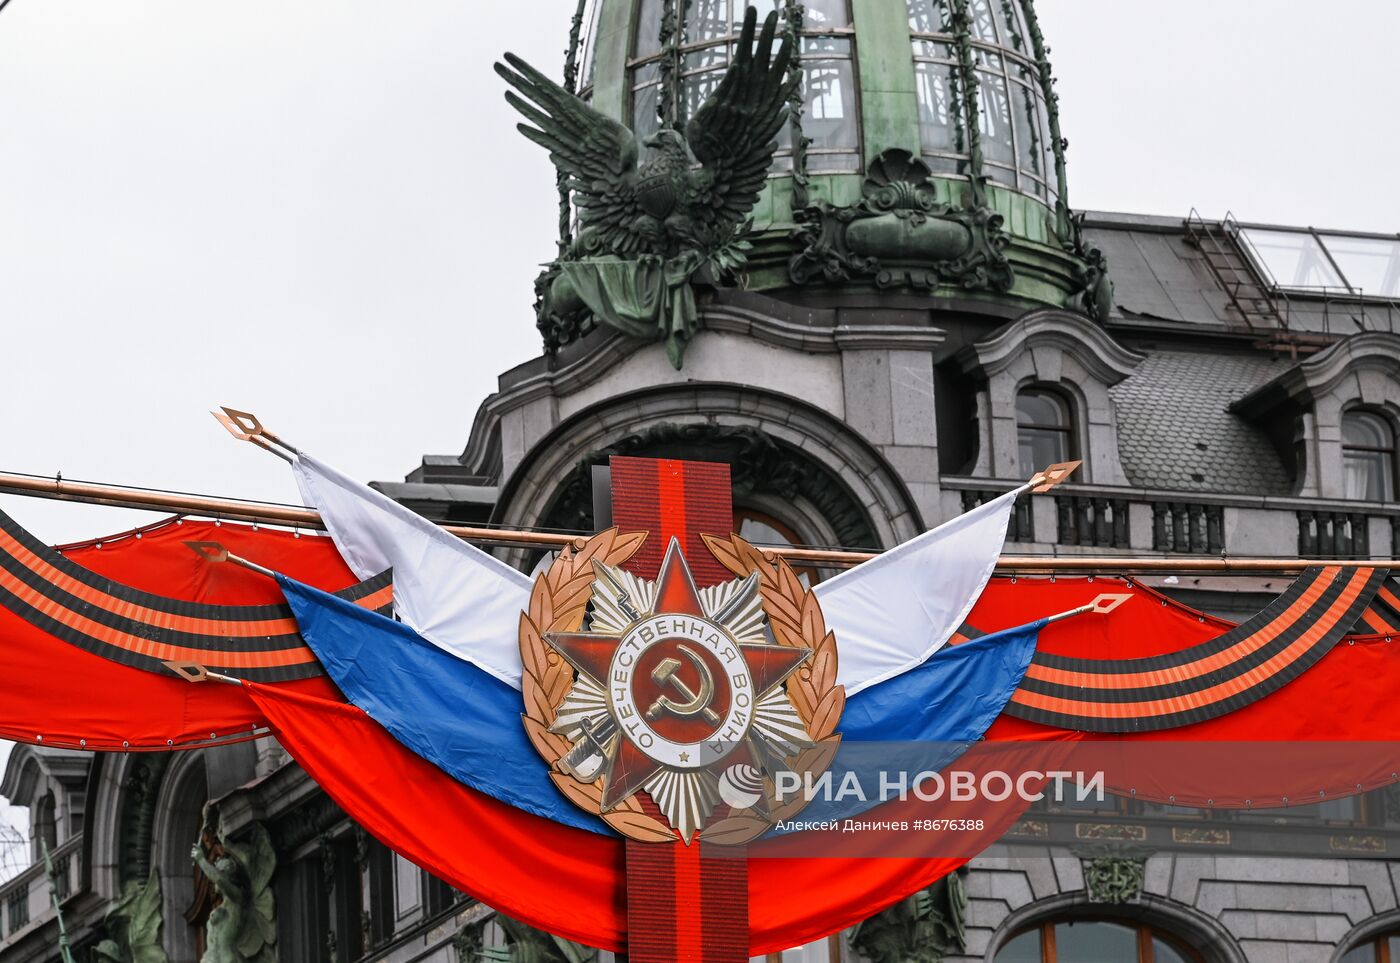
669 709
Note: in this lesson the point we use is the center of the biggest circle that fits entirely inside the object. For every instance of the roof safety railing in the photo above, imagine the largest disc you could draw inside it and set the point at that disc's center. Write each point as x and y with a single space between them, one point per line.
1249 292
1347 301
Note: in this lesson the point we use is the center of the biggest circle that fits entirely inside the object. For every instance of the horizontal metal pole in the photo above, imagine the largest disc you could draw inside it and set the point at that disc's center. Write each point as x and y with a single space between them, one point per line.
232 508
289 515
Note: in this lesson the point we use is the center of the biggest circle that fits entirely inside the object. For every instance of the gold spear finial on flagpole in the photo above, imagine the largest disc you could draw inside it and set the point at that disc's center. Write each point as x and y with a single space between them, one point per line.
1046 479
214 552
1101 605
194 672
245 426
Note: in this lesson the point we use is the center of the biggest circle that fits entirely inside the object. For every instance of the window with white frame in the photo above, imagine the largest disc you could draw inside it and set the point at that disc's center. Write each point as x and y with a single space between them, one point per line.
1368 456
1044 428
1012 116
709 34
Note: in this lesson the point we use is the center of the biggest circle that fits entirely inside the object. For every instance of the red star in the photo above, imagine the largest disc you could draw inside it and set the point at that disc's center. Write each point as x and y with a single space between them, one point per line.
591 654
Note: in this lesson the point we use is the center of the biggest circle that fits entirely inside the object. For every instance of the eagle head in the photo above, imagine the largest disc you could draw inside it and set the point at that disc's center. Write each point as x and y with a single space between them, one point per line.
669 143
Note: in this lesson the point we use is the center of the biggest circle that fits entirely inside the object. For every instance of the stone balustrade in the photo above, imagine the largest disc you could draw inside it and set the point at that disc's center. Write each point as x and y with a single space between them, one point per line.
26 900
1097 519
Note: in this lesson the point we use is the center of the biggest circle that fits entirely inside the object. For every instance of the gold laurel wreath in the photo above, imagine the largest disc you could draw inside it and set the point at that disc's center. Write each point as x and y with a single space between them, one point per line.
558 603
796 619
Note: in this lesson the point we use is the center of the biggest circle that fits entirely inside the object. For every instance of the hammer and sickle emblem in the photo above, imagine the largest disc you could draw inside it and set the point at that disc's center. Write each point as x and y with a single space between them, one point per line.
695 703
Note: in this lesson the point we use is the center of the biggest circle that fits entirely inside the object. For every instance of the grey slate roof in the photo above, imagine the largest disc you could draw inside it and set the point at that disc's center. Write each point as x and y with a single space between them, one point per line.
1155 273
1175 429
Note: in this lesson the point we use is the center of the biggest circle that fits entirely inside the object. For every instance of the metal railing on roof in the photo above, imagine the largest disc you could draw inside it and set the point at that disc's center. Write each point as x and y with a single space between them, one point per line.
1253 300
1348 301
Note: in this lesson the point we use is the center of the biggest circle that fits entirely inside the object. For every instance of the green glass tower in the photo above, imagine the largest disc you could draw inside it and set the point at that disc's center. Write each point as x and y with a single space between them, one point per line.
921 154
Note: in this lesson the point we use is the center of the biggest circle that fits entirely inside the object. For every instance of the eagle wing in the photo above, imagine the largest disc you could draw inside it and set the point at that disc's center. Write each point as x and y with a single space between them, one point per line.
732 134
596 154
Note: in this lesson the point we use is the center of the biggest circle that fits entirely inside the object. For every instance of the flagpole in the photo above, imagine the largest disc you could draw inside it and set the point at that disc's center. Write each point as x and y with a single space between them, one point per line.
1101 605
291 516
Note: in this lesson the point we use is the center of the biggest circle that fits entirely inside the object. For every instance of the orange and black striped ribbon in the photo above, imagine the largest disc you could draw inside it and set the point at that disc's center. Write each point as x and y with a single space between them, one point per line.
259 643
683 902
1211 679
1383 615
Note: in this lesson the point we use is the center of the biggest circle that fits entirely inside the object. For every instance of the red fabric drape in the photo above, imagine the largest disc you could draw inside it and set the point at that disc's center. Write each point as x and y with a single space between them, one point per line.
159 562
1334 730
570 881
57 694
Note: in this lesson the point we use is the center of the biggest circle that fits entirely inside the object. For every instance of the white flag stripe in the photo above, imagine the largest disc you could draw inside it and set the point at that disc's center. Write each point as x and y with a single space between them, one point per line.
889 614
894 611
456 596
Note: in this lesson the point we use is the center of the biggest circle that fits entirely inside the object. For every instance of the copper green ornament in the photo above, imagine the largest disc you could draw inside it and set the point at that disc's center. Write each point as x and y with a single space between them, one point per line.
647 229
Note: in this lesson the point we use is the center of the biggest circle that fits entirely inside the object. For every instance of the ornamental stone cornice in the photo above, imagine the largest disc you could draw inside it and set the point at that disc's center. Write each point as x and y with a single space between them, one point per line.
1322 375
22 775
1103 357
888 337
545 381
29 764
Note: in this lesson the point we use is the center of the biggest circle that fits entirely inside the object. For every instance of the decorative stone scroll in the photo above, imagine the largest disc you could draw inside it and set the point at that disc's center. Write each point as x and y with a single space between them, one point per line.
901 235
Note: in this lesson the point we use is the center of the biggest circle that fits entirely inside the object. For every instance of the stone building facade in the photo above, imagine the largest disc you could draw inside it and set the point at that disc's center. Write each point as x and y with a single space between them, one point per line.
1234 390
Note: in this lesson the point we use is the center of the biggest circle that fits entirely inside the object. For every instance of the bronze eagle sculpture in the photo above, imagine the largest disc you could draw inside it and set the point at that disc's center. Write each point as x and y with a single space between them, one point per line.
670 203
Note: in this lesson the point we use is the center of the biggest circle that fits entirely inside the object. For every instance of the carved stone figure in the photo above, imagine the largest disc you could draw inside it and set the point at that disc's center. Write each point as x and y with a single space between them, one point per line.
133 925
243 927
924 928
1114 877
646 230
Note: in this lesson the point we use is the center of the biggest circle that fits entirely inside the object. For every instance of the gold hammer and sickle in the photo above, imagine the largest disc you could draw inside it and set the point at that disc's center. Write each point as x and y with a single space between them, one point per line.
696 703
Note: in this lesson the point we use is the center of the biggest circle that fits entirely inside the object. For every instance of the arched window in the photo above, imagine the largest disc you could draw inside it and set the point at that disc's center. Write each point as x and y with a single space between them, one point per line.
1368 456
1091 941
1381 949
187 895
1044 429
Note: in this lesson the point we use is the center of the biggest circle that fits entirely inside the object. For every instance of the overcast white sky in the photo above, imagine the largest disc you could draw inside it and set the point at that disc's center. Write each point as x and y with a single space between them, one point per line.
320 210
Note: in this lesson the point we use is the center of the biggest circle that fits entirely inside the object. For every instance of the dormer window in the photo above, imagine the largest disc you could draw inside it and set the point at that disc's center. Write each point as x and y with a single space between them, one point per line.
1043 397
1368 456
1044 429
